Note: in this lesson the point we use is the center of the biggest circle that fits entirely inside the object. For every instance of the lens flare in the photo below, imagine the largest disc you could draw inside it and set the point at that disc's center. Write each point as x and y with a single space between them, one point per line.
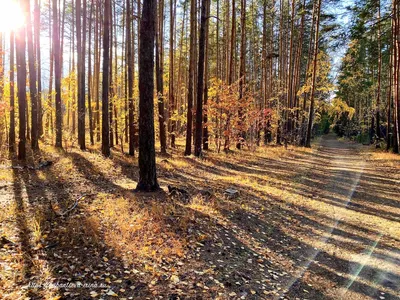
11 16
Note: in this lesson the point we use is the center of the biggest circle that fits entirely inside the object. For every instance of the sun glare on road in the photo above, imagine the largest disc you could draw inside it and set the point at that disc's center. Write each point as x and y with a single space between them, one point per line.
11 15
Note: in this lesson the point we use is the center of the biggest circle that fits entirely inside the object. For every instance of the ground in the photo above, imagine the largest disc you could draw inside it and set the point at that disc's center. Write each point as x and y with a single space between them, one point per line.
307 224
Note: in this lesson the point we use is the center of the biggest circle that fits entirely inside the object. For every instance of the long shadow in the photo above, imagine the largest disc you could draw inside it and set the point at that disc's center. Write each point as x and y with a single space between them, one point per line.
281 241
72 245
24 232
357 286
234 259
243 268
312 219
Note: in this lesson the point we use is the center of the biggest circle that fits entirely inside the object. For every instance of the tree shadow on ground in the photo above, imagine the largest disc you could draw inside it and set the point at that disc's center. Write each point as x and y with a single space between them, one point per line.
71 247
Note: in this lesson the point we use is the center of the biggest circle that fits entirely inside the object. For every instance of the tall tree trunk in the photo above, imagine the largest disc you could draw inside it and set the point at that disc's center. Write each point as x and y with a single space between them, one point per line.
11 142
378 96
131 125
189 118
105 143
396 75
309 60
291 78
206 71
49 115
90 81
80 38
97 71
21 79
76 78
147 153
314 75
39 67
111 96
160 74
242 70
116 84
171 69
389 113
233 45
200 80
32 80
231 71
57 75
264 66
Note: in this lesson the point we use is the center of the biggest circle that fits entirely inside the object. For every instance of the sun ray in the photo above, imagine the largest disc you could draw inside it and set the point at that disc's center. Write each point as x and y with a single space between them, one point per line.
11 15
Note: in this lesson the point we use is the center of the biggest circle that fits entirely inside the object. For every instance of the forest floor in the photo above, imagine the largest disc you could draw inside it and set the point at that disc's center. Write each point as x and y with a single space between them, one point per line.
319 223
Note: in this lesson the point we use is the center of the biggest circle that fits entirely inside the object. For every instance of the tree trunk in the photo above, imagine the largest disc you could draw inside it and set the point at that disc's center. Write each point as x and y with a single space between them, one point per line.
11 143
21 79
378 96
97 71
57 75
131 126
80 33
314 75
110 78
32 80
159 76
242 70
39 67
189 118
206 71
147 153
90 81
105 143
171 71
200 80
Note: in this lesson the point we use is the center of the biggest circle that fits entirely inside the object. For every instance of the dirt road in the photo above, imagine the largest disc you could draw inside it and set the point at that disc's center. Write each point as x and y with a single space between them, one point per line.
356 255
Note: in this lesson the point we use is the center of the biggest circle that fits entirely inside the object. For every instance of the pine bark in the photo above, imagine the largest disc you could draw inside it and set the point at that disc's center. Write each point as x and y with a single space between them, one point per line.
159 76
131 125
314 75
32 80
11 143
171 70
189 116
147 154
200 80
105 142
57 74
242 71
36 25
206 71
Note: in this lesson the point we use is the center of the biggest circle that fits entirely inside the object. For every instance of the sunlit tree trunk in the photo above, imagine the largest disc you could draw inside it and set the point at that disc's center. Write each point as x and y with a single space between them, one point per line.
159 75
57 74
314 75
131 125
21 79
11 135
32 80
39 67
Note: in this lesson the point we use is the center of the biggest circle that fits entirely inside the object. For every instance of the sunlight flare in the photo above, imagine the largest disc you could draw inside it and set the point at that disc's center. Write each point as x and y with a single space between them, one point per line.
11 16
